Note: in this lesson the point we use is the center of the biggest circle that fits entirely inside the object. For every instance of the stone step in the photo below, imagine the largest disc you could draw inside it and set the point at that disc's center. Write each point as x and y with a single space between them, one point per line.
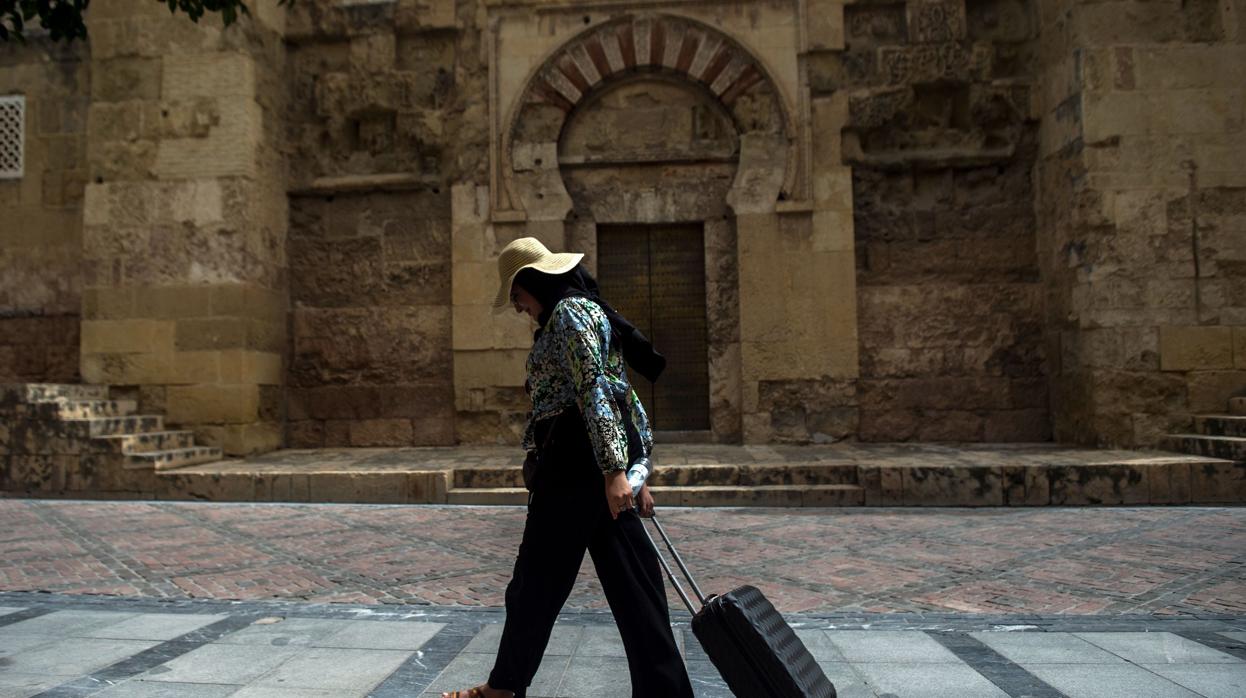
117 426
689 475
1226 447
1220 425
696 496
172 458
94 409
147 442
57 392
1237 405
487 495
761 496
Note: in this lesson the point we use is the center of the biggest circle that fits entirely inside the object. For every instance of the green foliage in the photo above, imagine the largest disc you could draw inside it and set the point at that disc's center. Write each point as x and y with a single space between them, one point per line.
63 18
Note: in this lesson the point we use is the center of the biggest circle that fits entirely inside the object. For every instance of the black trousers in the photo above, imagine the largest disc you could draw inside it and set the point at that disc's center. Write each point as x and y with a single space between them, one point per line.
568 514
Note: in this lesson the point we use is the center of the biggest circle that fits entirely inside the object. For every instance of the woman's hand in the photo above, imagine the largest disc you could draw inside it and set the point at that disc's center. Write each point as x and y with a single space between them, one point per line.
646 501
618 492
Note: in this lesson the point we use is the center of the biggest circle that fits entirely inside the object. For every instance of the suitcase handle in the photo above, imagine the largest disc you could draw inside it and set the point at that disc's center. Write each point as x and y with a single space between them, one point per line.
678 560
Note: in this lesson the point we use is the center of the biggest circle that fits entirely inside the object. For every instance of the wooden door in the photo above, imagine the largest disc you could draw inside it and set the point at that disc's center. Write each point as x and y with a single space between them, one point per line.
655 276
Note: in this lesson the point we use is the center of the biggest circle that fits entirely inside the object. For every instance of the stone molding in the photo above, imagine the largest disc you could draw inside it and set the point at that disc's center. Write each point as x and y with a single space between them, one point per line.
525 163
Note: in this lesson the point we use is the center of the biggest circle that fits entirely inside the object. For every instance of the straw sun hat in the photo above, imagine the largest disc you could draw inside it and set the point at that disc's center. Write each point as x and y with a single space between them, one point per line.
529 253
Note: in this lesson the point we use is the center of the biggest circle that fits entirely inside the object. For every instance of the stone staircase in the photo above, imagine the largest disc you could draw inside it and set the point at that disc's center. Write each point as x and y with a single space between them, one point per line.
787 485
1215 435
59 438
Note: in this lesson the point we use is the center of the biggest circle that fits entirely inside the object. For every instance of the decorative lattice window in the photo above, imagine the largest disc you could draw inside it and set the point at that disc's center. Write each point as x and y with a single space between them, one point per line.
12 136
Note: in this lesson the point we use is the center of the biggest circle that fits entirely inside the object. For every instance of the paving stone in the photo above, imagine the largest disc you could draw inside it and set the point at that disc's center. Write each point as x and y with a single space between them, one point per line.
153 626
1157 648
18 685
472 669
601 677
65 623
1046 648
6 610
847 681
563 641
379 635
820 646
332 668
165 689
287 632
73 656
1107 681
904 680
236 664
1212 681
889 646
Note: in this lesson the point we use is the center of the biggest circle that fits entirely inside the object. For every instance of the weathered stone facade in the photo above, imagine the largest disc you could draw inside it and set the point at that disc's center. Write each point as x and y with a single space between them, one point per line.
976 220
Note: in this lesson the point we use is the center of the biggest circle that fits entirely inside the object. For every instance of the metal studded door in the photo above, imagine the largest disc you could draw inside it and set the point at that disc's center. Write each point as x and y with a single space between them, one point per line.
655 276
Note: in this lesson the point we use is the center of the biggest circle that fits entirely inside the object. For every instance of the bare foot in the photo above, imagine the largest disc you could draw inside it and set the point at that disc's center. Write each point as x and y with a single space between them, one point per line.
482 691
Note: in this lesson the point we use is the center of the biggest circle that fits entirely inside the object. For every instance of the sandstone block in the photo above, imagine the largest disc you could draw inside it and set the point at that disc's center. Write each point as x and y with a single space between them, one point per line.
127 336
208 404
305 434
244 366
473 327
247 439
1217 483
127 369
282 487
1239 347
125 79
381 432
211 487
171 302
1106 484
373 487
1210 391
1195 348
189 76
197 367
1170 483
824 21
211 333
107 303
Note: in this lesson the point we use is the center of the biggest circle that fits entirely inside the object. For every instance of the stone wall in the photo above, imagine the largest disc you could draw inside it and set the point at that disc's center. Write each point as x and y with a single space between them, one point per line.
941 136
1142 208
380 125
41 233
370 320
184 219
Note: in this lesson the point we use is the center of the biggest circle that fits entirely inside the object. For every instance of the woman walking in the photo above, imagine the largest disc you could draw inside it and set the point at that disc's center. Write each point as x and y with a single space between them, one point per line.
587 424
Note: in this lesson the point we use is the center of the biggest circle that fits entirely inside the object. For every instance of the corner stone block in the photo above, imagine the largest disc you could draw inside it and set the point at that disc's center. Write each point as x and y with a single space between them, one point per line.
1218 483
213 404
428 487
1195 348
1170 483
193 75
171 302
127 336
824 21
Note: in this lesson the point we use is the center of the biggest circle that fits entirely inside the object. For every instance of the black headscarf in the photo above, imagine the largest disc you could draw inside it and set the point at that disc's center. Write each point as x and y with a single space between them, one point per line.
548 289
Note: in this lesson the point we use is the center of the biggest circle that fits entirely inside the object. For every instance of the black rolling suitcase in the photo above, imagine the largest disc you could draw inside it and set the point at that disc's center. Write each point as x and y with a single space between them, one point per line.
749 643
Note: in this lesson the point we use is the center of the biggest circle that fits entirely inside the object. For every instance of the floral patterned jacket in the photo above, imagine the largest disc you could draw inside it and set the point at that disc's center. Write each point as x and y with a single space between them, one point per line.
573 363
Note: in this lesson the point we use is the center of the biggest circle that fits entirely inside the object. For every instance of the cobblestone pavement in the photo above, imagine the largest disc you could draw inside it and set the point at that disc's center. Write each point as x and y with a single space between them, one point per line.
1109 561
58 646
